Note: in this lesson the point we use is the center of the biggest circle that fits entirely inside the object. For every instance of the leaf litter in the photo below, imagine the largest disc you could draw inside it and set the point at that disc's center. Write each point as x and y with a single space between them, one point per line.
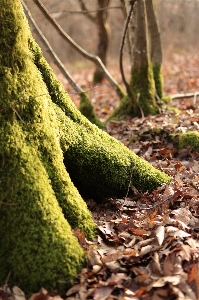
147 244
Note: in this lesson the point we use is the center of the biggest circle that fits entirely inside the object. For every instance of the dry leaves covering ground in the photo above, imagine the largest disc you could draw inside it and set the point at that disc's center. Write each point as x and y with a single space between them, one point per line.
147 244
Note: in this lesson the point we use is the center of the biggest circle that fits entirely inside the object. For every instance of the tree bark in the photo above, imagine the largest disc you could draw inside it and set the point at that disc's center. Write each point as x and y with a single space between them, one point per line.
102 40
155 46
40 130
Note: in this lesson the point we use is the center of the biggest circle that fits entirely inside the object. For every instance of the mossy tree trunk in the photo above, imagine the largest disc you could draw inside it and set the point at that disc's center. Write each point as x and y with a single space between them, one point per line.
142 81
146 82
40 131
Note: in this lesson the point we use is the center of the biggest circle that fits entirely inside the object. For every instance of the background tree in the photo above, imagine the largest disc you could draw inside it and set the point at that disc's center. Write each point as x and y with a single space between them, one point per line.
40 131
146 83
99 20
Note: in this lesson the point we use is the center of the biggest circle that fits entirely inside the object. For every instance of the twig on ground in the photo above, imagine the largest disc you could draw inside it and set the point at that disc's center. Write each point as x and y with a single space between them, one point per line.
186 95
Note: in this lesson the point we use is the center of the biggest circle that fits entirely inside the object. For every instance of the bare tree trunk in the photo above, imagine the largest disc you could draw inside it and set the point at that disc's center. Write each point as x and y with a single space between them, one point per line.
103 39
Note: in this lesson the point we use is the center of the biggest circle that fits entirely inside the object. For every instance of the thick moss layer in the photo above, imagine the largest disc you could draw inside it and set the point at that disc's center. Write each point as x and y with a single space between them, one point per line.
86 108
189 138
37 247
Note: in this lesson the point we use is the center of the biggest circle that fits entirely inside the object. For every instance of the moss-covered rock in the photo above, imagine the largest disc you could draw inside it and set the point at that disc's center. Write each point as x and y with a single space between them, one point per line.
189 138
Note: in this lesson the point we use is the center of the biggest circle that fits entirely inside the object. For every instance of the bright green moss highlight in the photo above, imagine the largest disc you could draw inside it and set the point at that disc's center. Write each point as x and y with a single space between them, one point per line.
86 108
174 110
37 246
189 138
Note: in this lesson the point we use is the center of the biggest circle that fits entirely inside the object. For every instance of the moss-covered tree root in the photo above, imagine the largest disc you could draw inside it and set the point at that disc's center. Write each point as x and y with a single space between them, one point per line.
99 165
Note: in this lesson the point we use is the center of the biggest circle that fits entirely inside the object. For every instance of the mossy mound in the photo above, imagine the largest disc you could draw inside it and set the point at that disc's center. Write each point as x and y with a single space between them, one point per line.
189 138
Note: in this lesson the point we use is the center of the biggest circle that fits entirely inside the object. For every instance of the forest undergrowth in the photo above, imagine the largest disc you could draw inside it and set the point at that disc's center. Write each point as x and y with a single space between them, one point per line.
147 244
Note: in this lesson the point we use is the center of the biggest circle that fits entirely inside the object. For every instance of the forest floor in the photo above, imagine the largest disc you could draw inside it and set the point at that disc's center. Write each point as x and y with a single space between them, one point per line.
147 244
147 247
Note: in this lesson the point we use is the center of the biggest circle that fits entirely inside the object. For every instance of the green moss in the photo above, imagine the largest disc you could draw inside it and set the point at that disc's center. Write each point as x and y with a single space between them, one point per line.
86 108
143 89
100 165
166 99
189 138
142 100
37 246
174 109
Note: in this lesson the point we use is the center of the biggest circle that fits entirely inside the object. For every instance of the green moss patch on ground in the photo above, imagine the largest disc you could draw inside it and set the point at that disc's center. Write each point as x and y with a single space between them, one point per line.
189 138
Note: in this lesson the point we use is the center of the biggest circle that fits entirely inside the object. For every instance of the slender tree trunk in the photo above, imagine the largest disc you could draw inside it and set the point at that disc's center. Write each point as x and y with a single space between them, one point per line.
146 81
155 46
142 82
102 39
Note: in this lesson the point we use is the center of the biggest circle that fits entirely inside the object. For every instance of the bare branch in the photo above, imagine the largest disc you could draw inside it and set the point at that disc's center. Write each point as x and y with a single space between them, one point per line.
124 10
95 59
85 11
132 2
56 59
